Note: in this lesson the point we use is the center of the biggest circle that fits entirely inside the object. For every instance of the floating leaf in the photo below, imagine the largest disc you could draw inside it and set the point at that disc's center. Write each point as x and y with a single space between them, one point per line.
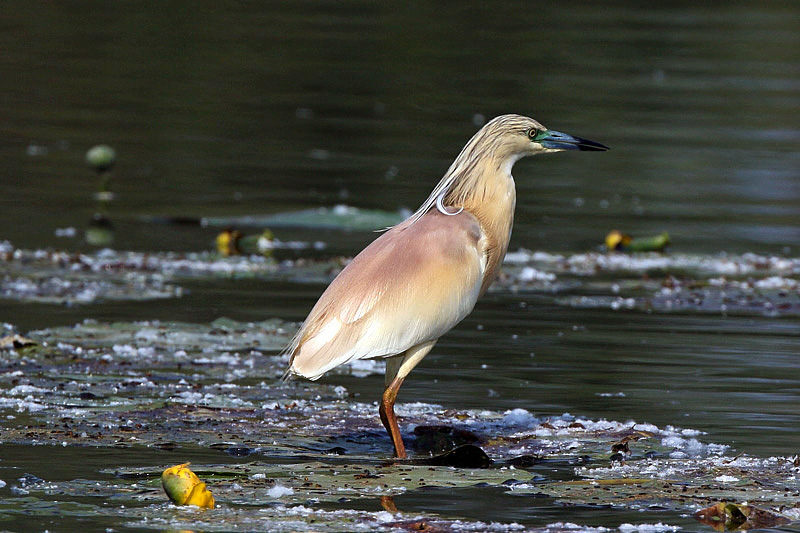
184 487
341 217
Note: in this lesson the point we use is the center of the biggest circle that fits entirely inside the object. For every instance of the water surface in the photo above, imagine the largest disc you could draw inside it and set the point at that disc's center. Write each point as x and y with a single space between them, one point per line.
245 109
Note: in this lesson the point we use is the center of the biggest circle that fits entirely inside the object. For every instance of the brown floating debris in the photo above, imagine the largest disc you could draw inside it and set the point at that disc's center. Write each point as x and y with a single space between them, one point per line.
15 341
726 516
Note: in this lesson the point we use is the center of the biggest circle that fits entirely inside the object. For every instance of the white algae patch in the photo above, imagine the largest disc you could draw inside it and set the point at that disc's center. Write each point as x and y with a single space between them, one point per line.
21 406
50 276
519 417
363 367
745 284
562 527
772 479
279 491
82 291
647 528
594 262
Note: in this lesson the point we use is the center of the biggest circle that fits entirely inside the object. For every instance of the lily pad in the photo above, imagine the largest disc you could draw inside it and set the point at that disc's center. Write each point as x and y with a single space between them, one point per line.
340 217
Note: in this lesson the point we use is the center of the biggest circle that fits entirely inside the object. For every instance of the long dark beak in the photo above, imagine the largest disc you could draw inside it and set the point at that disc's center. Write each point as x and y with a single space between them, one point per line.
555 140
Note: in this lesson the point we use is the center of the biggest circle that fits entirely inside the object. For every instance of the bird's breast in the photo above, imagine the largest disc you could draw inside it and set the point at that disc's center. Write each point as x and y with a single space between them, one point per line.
495 218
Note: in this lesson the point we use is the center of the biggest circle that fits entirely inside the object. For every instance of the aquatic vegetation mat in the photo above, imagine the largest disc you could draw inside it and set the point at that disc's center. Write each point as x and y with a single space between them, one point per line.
748 284
59 277
302 456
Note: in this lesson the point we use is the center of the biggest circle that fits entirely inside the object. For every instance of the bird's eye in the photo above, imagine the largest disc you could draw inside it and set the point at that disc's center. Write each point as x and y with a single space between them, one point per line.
532 133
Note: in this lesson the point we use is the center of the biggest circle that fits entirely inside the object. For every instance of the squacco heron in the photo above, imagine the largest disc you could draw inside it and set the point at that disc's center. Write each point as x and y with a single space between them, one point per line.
423 276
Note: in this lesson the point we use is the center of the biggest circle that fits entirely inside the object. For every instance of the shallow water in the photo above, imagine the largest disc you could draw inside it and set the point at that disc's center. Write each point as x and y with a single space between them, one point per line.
242 111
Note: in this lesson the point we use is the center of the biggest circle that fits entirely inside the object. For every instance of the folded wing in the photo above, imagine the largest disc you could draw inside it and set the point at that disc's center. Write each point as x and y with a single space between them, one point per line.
411 285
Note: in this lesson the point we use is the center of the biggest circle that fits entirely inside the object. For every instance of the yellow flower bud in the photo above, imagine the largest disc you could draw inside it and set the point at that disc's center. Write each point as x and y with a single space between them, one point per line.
184 487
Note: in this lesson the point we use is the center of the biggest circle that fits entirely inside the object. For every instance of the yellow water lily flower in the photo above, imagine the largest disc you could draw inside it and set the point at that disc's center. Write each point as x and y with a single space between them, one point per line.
622 242
184 487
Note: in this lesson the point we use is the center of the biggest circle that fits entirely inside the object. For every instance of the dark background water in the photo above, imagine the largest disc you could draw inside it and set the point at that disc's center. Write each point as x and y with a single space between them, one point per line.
253 108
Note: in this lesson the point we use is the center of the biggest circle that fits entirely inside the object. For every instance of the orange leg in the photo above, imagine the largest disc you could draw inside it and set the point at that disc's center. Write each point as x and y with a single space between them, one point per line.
387 502
397 368
389 419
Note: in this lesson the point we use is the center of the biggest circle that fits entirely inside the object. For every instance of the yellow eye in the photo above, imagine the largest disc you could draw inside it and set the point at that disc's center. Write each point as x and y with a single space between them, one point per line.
532 133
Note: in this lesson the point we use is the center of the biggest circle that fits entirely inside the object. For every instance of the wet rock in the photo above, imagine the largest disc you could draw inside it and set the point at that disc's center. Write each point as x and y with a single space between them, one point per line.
26 480
336 450
439 439
466 456
238 451
523 461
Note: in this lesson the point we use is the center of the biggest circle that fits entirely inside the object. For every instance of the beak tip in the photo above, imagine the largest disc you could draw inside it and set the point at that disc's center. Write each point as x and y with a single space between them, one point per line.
591 146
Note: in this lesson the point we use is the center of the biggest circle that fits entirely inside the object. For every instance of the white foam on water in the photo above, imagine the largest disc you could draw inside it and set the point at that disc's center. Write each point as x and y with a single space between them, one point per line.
279 491
647 528
569 526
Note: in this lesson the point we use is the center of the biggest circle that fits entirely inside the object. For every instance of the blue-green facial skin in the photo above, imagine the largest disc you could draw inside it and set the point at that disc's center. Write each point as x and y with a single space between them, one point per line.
541 135
556 140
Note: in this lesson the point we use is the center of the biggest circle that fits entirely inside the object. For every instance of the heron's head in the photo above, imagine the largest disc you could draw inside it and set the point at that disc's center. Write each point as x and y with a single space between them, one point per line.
487 159
515 136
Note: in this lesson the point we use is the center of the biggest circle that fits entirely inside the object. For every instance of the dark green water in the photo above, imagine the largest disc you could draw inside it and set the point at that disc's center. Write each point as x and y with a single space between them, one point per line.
250 108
